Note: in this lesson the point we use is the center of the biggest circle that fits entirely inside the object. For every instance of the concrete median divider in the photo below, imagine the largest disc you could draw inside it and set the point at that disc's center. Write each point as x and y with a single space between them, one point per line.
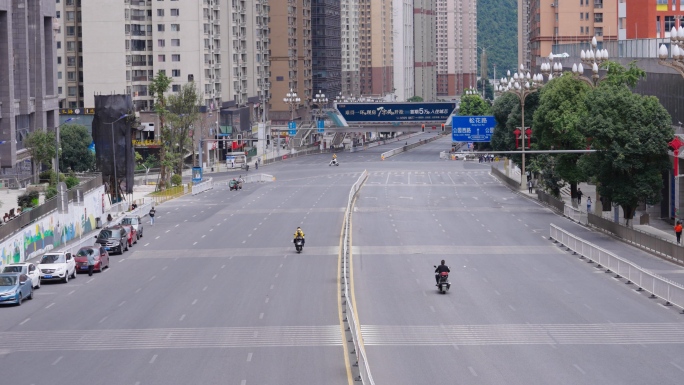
401 149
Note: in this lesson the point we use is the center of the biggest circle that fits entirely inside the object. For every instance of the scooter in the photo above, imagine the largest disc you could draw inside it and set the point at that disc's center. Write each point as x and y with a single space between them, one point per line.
299 244
334 162
443 284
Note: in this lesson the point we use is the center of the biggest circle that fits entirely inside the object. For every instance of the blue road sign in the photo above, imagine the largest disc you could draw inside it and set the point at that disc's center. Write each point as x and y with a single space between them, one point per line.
472 128
292 125
396 112
321 126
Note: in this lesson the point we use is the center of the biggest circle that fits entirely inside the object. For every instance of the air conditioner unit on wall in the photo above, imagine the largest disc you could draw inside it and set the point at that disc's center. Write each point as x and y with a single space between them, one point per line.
553 4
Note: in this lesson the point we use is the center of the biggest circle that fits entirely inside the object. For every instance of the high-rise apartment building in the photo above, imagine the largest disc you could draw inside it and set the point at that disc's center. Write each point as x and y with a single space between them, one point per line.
376 41
326 26
648 19
350 48
555 22
456 47
424 40
118 47
404 70
291 55
28 84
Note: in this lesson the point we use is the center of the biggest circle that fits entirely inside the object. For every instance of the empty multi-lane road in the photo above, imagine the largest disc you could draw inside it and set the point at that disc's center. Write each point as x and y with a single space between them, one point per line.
215 294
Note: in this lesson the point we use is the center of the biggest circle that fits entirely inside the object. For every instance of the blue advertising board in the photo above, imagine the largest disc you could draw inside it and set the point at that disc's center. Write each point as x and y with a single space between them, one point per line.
472 128
321 126
196 174
396 112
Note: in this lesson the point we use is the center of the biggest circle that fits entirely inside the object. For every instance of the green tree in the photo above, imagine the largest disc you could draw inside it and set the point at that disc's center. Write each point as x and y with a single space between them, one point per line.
630 133
473 105
75 154
413 99
557 126
183 114
158 88
508 115
619 75
41 146
497 22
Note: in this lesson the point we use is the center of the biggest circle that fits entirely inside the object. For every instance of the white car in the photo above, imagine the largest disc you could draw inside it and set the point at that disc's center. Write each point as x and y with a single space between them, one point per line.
25 268
57 266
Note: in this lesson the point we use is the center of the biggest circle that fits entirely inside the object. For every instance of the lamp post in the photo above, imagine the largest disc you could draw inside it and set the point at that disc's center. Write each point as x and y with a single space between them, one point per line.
116 182
57 143
592 57
521 85
551 69
293 101
677 40
320 100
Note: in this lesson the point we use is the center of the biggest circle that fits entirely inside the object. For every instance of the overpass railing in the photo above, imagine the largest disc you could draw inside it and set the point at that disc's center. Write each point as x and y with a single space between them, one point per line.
350 319
659 287
399 150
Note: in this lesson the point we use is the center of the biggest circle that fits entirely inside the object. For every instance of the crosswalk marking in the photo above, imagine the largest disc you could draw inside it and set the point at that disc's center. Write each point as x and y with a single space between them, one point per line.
171 338
525 334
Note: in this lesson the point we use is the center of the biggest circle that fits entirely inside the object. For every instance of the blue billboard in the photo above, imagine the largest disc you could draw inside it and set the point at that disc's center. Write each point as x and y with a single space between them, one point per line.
396 112
472 128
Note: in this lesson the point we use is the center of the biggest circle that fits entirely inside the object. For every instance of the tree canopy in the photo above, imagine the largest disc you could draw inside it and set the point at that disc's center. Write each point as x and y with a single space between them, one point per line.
183 113
75 155
631 133
473 105
158 88
414 99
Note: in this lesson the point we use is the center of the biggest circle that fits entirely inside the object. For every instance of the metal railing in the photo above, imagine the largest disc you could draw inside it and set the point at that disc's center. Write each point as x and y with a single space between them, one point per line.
513 183
671 292
550 200
169 193
258 178
396 151
202 186
575 214
361 361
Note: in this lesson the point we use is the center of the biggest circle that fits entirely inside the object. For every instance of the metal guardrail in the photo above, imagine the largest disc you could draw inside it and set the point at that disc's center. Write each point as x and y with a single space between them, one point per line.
671 292
399 150
27 217
258 178
514 184
550 200
361 361
575 214
202 186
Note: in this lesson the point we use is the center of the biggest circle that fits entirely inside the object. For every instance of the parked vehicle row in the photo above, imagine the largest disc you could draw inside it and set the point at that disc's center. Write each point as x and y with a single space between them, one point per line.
18 280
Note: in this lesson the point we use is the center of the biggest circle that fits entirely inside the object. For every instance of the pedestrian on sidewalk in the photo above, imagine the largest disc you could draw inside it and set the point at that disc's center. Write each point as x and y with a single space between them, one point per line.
588 205
91 263
256 165
152 212
579 195
530 185
109 218
678 231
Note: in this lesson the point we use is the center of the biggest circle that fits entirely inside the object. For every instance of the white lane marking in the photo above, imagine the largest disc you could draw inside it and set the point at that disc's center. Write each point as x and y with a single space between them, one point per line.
243 382
24 321
472 371
165 267
433 309
204 235
194 302
261 315
50 305
497 292
154 358
511 307
271 288
194 243
103 319
122 303
249 357
281 265
182 317
677 366
205 288
122 259
214 277
178 224
57 360
267 299
168 231
223 266
153 277
90 280
71 292
277 274
138 291
579 369
157 237
147 244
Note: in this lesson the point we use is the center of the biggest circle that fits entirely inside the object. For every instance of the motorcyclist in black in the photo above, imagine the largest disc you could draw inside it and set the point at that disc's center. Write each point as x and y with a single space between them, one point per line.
440 269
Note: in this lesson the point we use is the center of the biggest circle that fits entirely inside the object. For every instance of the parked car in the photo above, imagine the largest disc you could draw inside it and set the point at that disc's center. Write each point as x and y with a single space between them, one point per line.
25 268
132 234
57 266
101 258
113 239
15 287
136 222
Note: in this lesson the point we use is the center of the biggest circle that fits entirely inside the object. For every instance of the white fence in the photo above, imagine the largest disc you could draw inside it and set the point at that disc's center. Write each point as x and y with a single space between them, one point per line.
671 292
575 214
354 329
258 178
203 186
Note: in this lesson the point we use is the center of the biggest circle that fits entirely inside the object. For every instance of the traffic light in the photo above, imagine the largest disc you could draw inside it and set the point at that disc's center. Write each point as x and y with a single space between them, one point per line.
443 126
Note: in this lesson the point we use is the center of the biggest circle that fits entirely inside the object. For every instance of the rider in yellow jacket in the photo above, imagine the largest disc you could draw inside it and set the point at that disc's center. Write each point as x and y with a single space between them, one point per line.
299 233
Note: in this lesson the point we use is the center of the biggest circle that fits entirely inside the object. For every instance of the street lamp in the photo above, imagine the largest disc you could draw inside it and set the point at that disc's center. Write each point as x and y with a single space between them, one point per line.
293 101
521 85
551 69
677 40
116 182
320 100
592 57
57 142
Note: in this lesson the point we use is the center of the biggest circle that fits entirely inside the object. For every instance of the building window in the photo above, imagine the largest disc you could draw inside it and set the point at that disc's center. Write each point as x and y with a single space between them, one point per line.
71 46
161 43
160 27
662 2
598 31
71 61
59 75
57 15
582 30
70 30
175 57
657 26
71 75
176 88
669 23
599 3
160 12
71 91
598 18
70 15
175 42
175 27
175 12
59 90
59 45
175 73
581 15
161 58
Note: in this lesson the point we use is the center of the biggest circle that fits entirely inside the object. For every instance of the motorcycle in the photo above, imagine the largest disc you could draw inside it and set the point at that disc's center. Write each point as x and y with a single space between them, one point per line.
299 244
334 162
443 284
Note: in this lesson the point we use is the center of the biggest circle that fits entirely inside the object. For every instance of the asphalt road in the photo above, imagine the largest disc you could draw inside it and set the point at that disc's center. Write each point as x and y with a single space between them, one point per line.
520 311
214 292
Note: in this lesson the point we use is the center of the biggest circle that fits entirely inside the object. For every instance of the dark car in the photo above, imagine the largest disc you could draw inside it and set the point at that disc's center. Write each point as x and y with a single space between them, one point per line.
114 239
101 258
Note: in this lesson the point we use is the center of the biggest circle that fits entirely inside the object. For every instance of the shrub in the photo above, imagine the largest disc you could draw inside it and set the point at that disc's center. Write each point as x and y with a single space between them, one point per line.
50 192
71 181
176 180
47 176
29 199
